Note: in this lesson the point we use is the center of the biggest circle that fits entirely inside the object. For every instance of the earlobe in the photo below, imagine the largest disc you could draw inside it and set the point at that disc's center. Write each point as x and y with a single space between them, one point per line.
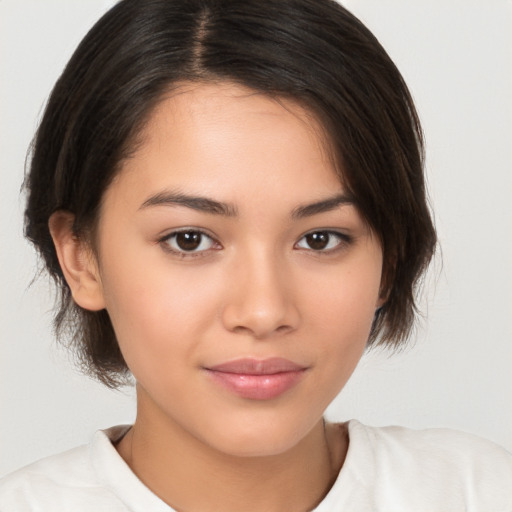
387 279
77 262
382 299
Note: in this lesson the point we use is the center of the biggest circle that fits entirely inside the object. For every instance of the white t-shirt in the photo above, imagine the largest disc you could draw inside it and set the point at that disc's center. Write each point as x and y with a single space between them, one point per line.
390 469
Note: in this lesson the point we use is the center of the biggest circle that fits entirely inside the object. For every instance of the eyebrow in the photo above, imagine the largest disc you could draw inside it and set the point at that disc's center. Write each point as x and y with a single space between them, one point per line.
202 204
323 206
207 205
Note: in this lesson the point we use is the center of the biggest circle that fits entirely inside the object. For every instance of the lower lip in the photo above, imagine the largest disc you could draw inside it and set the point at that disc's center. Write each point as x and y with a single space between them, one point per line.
257 387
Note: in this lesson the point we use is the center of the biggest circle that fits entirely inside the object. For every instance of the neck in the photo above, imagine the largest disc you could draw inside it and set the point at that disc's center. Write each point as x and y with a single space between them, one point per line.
190 475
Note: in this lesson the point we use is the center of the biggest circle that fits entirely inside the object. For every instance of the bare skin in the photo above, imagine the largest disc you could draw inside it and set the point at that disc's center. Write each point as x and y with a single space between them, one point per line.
296 481
227 236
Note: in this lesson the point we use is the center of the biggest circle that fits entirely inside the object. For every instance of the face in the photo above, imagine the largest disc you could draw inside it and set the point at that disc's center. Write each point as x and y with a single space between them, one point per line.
240 279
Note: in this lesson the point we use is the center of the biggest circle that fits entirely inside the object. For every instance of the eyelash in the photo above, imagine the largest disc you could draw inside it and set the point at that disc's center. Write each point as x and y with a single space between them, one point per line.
165 243
343 241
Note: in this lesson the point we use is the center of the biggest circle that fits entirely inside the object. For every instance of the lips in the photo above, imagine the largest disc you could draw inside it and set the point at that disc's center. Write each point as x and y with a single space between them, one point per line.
257 379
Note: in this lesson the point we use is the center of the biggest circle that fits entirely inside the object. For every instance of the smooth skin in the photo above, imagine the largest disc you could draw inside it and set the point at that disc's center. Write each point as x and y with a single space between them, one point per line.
275 261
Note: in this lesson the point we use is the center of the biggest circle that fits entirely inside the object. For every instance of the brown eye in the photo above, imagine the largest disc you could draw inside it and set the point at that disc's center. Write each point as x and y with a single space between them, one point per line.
318 241
189 241
322 241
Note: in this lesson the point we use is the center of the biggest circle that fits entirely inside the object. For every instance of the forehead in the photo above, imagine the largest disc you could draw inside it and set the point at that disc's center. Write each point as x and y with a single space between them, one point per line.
222 139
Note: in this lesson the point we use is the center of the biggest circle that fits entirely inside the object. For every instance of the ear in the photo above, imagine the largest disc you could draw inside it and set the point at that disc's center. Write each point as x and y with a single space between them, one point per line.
77 262
387 280
380 302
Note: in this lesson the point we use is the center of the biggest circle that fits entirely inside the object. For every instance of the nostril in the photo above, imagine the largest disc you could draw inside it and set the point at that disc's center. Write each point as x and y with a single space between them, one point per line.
261 331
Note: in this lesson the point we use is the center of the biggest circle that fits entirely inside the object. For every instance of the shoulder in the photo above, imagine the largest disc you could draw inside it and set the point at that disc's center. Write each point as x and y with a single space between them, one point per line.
437 464
55 483
47 477
435 446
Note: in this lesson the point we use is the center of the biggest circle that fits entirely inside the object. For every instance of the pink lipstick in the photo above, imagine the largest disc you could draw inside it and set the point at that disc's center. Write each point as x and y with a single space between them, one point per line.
257 379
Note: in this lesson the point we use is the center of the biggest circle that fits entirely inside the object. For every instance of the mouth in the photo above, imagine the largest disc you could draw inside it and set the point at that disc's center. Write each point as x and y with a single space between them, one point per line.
257 379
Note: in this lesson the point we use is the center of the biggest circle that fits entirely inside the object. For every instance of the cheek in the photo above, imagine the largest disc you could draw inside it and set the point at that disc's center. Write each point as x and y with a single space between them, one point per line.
346 298
343 305
157 310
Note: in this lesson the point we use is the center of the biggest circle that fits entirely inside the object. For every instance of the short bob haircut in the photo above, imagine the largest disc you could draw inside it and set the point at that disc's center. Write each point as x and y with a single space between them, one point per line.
313 52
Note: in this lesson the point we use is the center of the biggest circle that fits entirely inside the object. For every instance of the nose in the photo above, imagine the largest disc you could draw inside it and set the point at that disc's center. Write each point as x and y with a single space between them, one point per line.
261 302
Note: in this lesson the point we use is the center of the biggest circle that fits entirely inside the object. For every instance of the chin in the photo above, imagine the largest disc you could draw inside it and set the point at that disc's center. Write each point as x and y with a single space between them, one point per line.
257 439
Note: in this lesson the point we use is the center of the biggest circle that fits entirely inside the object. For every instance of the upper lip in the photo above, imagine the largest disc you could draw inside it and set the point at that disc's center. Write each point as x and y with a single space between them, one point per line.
249 366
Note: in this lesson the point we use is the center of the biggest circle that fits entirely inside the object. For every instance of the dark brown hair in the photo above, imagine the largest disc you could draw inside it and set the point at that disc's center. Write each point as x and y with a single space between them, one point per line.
312 51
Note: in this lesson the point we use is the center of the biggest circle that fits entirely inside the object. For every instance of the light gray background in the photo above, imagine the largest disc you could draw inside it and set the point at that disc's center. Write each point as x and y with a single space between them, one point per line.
456 56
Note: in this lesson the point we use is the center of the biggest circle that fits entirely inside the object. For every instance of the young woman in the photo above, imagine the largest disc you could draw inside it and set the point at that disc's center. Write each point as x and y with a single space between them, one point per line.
230 196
